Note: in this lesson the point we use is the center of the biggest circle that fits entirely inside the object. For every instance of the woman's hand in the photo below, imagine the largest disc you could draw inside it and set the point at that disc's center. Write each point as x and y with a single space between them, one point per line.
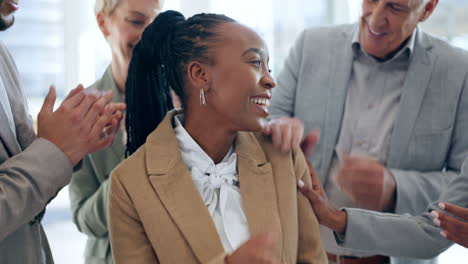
452 228
326 213
258 250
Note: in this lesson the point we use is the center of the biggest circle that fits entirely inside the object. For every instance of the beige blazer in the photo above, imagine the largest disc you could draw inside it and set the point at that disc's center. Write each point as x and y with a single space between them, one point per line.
156 214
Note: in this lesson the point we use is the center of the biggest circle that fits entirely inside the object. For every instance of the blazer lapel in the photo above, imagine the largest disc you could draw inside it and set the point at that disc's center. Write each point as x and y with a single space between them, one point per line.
341 67
173 184
257 186
183 202
417 81
6 134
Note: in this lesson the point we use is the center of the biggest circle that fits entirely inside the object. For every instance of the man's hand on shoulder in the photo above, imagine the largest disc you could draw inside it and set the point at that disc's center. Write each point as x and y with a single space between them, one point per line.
286 132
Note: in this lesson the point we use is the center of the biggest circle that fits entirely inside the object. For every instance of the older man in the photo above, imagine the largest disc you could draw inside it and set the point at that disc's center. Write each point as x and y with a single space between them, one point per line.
391 105
34 168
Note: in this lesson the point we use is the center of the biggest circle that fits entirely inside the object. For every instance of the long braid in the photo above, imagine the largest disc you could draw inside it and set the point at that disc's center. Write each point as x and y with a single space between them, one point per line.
158 65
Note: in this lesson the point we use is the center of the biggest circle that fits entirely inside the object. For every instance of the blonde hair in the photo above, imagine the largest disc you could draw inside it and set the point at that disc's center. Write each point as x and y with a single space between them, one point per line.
106 6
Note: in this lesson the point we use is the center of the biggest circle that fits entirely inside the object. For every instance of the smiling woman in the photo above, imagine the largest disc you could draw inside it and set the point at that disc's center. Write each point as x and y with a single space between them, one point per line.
200 177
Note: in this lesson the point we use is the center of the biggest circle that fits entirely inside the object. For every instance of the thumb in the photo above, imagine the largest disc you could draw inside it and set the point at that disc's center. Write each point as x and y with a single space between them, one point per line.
309 142
49 101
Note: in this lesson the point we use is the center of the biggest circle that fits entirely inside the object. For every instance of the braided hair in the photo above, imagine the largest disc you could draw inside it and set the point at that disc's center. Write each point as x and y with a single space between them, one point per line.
158 65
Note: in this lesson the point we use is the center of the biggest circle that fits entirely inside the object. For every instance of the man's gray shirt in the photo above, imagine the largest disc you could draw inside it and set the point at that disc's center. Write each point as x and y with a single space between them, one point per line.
371 108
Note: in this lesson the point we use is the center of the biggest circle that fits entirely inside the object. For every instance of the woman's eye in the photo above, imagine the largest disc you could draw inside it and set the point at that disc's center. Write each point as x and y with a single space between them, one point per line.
257 62
135 22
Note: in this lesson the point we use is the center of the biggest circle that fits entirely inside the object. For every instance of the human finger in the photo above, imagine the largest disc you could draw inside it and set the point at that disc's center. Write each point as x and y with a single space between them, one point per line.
286 138
455 210
309 142
276 135
101 107
49 101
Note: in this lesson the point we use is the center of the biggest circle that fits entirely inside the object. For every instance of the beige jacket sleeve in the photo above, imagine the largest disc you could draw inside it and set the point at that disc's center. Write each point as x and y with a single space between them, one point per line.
310 248
129 241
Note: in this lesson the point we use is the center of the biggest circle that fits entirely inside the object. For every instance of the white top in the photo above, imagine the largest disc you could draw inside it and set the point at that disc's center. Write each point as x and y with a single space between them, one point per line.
5 104
218 185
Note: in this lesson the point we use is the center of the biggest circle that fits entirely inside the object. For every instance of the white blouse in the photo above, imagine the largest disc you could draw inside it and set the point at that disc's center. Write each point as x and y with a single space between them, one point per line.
218 185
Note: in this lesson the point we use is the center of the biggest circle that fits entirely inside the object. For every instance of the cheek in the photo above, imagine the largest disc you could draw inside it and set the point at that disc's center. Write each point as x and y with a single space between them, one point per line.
125 36
132 34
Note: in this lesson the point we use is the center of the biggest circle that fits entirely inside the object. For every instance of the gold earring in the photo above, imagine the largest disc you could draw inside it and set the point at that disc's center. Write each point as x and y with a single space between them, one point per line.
202 97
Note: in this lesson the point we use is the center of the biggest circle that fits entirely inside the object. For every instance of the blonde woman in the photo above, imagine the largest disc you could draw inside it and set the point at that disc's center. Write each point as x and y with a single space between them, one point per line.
122 22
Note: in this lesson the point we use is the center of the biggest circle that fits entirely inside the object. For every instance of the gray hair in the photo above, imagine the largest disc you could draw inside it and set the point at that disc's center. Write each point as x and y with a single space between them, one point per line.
106 6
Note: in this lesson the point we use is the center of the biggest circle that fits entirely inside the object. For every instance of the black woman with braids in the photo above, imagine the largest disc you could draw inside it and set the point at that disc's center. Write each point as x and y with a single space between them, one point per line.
202 185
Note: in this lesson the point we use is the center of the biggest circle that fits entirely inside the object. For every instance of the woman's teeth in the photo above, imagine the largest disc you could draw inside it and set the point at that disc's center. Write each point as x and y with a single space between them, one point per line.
260 101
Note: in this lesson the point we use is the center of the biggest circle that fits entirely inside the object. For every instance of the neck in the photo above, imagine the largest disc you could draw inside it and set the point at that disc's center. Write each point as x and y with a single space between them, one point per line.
393 53
215 141
120 73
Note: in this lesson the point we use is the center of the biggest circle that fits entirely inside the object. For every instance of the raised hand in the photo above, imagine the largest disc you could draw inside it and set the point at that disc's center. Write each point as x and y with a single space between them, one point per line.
85 122
367 182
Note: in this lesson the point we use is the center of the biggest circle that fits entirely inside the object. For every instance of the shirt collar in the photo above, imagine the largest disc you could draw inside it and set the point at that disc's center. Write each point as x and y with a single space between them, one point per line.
192 154
356 45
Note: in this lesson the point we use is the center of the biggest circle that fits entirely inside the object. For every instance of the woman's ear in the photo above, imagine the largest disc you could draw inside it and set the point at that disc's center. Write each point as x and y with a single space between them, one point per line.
101 19
199 75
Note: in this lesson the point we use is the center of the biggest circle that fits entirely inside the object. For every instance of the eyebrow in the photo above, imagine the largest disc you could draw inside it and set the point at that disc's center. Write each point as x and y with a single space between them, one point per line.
255 50
133 12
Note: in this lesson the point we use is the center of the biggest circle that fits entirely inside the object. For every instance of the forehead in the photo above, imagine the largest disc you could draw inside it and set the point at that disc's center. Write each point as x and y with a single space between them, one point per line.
240 37
141 6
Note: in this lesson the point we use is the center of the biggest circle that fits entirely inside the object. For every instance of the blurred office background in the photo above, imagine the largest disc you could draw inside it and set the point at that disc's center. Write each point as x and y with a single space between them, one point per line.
58 42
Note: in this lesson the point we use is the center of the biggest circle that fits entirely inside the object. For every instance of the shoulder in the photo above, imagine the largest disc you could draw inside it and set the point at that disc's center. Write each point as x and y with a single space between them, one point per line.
287 162
447 54
4 53
132 169
7 60
104 83
322 36
330 31
316 45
